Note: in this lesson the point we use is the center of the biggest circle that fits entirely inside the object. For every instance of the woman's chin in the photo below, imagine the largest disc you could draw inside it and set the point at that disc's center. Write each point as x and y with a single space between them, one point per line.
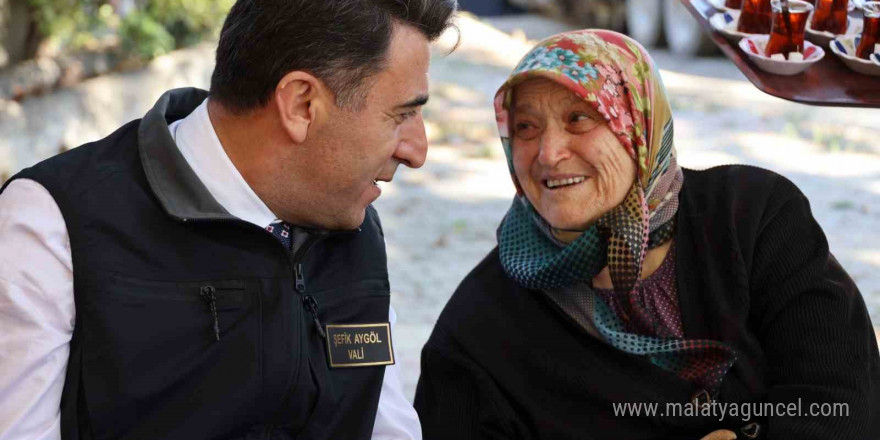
570 214
566 236
578 222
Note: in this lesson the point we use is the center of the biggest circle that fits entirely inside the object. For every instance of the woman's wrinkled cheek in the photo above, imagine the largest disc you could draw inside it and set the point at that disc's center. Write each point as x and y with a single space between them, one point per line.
607 172
521 169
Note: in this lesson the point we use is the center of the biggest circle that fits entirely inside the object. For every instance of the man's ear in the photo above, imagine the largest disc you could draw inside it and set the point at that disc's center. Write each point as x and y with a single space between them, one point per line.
298 96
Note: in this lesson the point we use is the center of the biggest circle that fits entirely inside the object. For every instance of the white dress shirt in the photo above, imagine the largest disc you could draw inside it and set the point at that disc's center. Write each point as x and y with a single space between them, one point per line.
36 293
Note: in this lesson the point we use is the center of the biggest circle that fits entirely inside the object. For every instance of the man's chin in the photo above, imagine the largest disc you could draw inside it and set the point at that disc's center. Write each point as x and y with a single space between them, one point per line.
348 222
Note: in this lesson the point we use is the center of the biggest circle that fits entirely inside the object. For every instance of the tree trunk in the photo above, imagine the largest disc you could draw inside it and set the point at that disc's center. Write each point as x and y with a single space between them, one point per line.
19 34
4 26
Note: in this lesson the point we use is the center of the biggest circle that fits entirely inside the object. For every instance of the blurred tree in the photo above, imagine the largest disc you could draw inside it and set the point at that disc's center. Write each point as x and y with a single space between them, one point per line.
188 21
143 37
141 28
19 33
69 24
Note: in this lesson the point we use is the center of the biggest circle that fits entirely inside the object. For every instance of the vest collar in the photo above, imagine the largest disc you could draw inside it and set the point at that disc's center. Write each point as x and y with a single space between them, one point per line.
175 184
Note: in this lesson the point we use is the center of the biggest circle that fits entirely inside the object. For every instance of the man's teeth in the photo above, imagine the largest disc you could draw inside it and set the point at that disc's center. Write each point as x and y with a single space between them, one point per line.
375 182
564 182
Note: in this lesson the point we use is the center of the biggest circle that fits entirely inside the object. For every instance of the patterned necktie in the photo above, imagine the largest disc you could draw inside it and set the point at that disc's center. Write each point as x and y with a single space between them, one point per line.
281 231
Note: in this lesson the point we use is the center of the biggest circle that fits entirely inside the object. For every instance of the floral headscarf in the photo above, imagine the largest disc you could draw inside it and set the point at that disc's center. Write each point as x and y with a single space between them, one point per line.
614 74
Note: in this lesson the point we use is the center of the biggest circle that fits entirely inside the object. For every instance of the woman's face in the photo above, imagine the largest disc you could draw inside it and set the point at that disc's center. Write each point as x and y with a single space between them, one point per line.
569 164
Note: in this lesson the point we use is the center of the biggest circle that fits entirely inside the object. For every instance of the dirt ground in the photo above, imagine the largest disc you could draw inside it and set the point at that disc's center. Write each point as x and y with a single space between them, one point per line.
440 220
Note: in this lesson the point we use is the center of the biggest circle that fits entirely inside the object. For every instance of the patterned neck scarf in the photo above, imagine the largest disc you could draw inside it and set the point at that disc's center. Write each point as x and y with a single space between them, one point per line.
617 77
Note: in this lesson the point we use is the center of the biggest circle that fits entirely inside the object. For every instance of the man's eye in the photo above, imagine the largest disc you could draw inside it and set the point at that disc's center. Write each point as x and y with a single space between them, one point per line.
401 118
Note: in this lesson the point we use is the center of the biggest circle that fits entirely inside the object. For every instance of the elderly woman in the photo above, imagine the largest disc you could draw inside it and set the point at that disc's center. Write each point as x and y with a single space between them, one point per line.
629 298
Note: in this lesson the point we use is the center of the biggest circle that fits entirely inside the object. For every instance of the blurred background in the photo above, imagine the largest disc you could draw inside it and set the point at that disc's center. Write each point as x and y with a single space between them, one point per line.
72 71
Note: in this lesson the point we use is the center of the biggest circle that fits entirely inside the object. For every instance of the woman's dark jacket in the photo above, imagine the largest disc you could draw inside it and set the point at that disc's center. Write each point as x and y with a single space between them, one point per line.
754 271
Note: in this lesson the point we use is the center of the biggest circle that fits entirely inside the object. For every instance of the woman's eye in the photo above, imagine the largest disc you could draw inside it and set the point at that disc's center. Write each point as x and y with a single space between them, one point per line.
579 117
525 130
522 126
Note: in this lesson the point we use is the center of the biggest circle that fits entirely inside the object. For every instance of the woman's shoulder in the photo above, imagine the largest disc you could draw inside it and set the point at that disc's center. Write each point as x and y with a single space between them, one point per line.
484 292
735 187
487 273
733 177
481 286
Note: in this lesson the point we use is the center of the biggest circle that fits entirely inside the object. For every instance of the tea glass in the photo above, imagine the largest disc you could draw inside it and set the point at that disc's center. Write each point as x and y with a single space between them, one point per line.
870 31
755 17
830 16
787 32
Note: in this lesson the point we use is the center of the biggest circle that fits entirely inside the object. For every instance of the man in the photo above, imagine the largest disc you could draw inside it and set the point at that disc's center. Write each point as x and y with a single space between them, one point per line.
215 269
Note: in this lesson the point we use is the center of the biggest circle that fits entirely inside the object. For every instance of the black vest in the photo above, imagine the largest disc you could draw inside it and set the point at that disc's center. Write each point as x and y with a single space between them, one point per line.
148 241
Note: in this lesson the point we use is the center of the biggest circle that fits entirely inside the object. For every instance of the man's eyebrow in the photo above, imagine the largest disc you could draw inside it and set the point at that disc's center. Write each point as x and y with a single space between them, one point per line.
416 102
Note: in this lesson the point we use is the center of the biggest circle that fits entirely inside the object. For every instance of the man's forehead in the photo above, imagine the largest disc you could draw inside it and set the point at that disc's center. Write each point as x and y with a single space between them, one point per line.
405 78
401 91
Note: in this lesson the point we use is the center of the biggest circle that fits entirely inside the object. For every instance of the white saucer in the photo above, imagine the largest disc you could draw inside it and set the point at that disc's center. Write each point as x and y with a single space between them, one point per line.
719 5
754 48
822 38
845 48
725 23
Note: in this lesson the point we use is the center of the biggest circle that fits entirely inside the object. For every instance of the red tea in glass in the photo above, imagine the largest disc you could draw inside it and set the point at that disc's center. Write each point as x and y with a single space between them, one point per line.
755 17
871 30
733 4
830 16
787 33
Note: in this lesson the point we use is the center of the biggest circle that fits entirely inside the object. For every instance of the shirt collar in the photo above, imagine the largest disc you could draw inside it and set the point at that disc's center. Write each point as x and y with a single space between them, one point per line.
200 146
177 188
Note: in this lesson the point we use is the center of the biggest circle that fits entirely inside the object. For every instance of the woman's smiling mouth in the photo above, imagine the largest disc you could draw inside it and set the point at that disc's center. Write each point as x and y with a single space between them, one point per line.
558 183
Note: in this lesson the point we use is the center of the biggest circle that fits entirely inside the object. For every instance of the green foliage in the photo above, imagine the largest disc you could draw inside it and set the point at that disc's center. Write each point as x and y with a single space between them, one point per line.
70 23
144 37
154 27
189 21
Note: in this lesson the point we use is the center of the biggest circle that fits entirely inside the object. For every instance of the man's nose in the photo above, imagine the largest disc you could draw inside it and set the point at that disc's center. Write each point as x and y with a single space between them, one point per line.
413 146
554 147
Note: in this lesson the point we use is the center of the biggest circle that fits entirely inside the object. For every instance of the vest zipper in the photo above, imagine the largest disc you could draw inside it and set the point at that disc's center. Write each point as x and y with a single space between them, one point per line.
208 294
309 302
300 279
312 306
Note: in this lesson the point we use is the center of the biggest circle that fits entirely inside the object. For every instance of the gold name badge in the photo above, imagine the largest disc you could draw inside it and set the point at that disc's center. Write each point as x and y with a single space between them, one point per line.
359 345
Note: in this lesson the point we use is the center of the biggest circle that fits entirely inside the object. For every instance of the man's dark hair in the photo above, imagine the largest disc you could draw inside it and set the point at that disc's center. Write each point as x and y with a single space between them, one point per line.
341 42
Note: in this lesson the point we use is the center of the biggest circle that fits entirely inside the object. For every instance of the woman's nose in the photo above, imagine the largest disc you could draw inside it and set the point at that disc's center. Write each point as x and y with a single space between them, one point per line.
554 147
